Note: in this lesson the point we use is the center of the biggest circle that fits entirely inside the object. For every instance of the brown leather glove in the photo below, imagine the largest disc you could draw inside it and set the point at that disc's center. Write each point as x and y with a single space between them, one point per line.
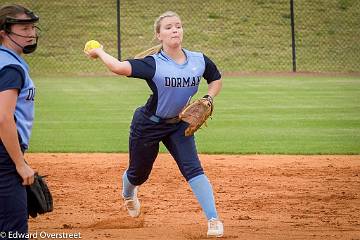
196 114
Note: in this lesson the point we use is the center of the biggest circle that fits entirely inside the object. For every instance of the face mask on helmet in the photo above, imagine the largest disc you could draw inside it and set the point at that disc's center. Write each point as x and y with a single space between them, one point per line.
32 19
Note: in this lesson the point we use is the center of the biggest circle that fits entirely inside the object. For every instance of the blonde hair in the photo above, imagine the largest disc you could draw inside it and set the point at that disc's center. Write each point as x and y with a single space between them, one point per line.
157 25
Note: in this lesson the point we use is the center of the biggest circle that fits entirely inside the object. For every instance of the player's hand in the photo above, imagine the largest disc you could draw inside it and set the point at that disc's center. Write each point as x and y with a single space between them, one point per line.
93 53
26 173
209 99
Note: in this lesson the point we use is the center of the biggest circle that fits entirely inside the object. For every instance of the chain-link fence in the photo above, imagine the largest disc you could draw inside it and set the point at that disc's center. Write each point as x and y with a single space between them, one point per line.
244 36
327 35
65 27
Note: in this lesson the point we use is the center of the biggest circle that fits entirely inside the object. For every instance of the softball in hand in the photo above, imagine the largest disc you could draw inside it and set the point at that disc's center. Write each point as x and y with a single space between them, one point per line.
92 44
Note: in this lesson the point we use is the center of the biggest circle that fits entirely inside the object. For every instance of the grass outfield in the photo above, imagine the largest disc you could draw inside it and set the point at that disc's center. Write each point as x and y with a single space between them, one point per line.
264 115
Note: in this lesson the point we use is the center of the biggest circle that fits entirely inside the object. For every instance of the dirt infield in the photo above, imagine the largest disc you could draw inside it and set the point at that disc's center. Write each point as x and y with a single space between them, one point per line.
258 197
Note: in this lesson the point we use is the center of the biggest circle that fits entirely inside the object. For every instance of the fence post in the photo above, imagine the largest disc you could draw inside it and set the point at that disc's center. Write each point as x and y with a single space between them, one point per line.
293 35
118 29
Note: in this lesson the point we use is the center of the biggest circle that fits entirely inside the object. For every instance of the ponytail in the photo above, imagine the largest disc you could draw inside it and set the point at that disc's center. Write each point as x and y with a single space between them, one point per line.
150 51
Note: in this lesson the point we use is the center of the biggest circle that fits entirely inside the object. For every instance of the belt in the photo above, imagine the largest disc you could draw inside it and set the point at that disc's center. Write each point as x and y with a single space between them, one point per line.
164 120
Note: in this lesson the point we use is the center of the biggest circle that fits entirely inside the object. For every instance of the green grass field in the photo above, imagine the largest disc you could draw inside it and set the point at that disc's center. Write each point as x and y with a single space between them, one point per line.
262 115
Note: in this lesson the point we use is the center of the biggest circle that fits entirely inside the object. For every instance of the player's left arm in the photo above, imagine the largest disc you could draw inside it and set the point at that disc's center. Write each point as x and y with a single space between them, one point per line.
214 88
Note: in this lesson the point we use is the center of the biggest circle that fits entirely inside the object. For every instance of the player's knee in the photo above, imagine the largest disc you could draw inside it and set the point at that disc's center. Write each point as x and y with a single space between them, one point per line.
193 173
137 178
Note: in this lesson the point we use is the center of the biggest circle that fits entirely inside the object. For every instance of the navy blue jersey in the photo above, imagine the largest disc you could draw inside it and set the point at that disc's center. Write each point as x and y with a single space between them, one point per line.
173 84
14 74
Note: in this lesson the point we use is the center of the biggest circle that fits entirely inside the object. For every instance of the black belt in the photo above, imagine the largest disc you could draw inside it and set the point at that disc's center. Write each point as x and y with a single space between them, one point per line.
164 120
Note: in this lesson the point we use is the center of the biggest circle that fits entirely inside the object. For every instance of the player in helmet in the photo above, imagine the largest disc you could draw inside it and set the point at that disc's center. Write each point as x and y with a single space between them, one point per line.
173 74
18 36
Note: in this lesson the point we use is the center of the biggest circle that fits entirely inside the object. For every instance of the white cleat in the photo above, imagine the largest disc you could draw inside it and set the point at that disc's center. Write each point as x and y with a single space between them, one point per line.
215 228
133 205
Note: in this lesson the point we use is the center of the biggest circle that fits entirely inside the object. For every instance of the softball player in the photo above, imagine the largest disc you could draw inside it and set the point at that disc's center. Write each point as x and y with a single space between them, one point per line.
173 74
17 91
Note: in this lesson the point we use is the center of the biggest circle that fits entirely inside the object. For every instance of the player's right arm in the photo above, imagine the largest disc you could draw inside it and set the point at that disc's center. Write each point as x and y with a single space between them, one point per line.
9 137
8 130
113 64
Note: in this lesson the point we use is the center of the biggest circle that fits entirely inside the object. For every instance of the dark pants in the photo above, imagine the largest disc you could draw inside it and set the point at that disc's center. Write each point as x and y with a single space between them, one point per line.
145 136
13 199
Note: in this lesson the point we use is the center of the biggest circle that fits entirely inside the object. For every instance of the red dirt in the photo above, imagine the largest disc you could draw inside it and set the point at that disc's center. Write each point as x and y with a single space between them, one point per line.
258 197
